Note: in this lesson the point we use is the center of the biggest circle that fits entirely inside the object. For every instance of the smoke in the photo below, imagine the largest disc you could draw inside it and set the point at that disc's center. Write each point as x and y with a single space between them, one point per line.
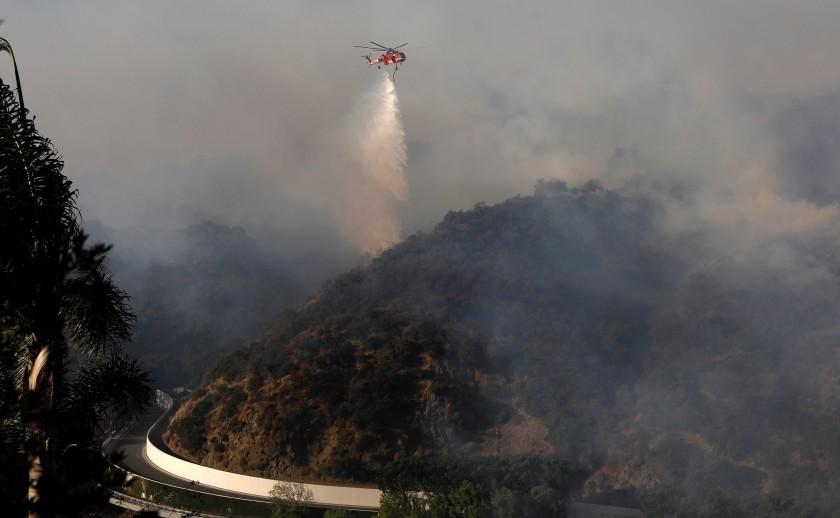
376 179
616 91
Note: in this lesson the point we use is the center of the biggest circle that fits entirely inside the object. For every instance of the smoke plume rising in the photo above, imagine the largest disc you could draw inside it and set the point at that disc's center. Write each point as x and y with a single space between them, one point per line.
377 177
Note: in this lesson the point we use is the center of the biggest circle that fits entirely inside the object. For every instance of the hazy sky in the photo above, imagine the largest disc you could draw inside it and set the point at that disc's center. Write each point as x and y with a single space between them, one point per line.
170 112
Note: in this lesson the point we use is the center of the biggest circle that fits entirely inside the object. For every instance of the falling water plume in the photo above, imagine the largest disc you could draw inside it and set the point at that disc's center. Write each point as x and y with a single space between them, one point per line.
380 184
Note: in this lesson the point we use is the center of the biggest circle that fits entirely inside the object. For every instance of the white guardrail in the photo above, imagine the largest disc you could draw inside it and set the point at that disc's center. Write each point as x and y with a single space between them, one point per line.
337 496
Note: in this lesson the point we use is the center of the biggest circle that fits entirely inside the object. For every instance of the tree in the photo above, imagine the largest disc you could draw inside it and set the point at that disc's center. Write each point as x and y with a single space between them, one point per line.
6 47
504 503
403 504
462 501
466 500
62 318
290 500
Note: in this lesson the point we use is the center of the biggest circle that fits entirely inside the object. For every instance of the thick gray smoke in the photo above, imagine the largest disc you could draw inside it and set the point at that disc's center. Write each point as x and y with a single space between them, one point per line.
188 112
722 112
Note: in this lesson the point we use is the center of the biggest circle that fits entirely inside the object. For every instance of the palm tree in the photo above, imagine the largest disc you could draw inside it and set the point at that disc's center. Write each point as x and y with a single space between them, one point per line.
62 319
5 46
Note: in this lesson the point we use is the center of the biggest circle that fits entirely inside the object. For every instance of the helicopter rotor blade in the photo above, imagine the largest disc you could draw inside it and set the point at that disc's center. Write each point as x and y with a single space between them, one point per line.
403 45
377 44
369 48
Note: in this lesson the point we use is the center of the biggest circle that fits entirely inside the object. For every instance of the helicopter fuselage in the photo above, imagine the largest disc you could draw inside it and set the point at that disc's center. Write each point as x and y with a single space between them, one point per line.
388 58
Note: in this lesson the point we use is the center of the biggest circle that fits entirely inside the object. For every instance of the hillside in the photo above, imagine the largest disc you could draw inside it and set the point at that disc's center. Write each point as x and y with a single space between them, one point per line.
568 324
202 289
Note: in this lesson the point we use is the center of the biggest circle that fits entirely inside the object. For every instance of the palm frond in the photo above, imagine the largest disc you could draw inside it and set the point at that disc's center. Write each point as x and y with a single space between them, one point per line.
52 287
6 47
96 312
114 386
37 210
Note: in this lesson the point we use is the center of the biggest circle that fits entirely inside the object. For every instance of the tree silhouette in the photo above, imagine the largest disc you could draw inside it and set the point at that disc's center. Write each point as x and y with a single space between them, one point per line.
62 318
6 47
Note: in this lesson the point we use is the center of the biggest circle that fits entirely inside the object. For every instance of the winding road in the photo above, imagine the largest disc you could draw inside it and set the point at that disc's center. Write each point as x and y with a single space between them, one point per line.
145 454
133 444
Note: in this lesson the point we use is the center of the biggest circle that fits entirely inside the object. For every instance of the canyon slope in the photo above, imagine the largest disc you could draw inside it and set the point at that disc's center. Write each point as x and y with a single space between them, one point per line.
576 323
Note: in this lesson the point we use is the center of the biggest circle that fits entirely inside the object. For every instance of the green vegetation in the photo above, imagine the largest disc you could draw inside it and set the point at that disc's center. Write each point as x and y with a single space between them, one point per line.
478 487
201 502
193 501
63 376
290 500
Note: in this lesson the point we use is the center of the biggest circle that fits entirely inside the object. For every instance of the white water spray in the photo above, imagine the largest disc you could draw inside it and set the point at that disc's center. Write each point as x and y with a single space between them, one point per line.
379 183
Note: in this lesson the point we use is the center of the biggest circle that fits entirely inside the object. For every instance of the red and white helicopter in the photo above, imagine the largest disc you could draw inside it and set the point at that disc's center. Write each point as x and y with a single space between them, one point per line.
389 56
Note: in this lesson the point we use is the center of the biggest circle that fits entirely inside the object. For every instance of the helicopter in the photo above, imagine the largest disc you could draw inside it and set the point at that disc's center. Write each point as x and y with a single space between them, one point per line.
390 55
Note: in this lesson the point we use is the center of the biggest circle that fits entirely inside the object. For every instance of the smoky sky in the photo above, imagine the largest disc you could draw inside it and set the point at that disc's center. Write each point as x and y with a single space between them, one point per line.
168 113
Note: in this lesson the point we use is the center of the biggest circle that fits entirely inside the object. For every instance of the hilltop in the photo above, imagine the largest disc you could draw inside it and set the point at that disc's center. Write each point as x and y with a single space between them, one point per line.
569 324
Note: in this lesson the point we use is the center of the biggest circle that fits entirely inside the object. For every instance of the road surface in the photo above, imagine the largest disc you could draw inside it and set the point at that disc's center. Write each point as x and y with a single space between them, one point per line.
133 445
